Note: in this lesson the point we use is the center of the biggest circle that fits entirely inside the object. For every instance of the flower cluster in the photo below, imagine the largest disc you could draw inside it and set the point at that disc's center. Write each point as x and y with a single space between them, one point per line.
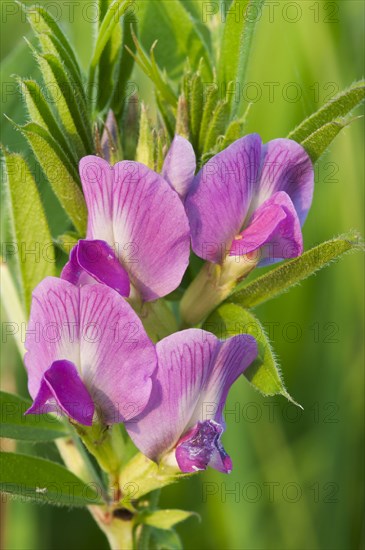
249 201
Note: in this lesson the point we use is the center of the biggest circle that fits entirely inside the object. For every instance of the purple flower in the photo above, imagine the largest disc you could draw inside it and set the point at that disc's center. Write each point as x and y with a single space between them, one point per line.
185 413
138 232
86 351
180 165
251 197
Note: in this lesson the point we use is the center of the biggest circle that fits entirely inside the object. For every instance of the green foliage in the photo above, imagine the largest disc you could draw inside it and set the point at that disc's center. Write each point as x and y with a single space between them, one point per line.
236 44
43 481
165 19
166 540
231 319
30 226
59 172
108 58
146 143
107 35
16 425
40 113
317 132
281 278
164 519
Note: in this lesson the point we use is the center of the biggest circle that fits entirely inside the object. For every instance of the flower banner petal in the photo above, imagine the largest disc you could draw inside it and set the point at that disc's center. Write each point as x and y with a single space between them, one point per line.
184 361
97 182
180 165
220 197
117 357
151 230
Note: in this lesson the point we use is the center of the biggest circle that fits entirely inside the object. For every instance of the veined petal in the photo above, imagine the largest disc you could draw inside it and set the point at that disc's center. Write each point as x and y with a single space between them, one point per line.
235 355
202 447
97 182
53 329
117 358
287 167
62 389
151 229
274 229
184 362
195 372
180 165
96 260
220 197
96 330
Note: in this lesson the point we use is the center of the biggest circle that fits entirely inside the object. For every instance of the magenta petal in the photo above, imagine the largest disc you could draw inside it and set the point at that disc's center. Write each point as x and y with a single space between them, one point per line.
94 328
98 259
62 389
151 230
184 362
287 167
274 228
97 182
202 447
180 165
220 197
117 357
195 372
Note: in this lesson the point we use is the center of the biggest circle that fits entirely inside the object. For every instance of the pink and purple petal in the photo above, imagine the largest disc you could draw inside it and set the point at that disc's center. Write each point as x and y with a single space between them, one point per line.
220 197
287 167
151 230
62 390
184 360
96 330
117 357
195 371
97 182
274 229
96 261
201 448
180 165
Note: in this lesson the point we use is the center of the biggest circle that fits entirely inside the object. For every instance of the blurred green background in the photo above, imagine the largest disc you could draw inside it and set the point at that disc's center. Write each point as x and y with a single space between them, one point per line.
298 480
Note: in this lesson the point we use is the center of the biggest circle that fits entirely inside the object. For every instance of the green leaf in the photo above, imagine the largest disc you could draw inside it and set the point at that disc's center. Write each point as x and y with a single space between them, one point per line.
210 102
43 22
67 241
195 102
165 519
67 102
51 45
166 540
60 173
16 425
264 374
146 143
281 278
151 69
339 106
236 43
40 112
108 58
169 18
124 68
30 226
217 125
36 479
112 17
318 142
